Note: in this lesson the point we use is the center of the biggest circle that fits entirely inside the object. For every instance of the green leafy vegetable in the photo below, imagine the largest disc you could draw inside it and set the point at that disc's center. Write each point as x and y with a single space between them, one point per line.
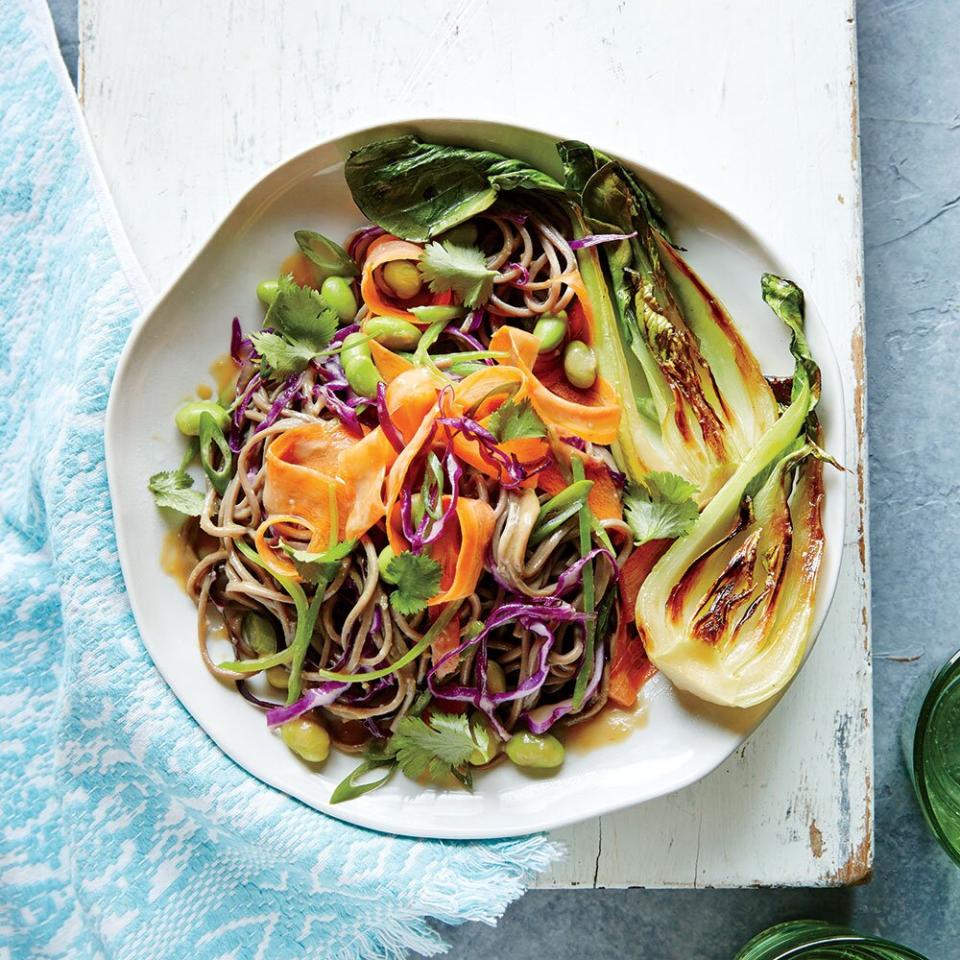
664 341
417 577
439 748
516 421
301 315
280 357
418 190
319 568
329 258
460 269
174 489
663 508
726 613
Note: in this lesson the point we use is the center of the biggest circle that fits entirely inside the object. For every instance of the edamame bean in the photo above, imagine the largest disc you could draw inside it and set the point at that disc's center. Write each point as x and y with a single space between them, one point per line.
259 634
496 680
463 234
188 416
403 278
392 332
267 291
386 555
339 296
551 329
307 739
529 750
580 364
278 677
358 367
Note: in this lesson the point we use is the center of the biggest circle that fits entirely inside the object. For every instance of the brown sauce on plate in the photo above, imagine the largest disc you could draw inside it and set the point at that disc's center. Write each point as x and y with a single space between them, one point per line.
610 725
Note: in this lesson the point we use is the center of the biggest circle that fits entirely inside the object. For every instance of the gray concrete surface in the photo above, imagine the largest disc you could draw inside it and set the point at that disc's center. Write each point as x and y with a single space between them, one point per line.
910 129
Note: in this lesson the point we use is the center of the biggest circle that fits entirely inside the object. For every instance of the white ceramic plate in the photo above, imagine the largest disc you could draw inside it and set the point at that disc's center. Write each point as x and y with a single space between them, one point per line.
679 741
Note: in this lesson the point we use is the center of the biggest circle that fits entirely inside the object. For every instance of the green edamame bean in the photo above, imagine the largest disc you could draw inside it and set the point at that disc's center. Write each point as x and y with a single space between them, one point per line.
580 364
551 330
496 680
383 560
392 332
307 739
358 367
463 234
278 677
188 416
529 750
267 291
259 634
339 296
403 278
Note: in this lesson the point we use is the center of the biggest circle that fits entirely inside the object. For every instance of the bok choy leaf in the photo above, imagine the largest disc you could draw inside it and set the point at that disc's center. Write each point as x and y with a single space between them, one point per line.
700 402
418 190
726 613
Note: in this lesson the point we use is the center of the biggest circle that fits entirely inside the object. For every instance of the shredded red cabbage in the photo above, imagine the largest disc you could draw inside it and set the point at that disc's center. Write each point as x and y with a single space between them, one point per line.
386 421
241 347
512 472
523 274
319 696
541 719
290 389
334 382
429 530
573 575
535 617
235 440
577 442
596 238
343 333
475 320
363 237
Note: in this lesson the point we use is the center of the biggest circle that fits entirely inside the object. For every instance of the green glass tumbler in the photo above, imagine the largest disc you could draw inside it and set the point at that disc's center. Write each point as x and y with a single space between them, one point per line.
934 759
819 940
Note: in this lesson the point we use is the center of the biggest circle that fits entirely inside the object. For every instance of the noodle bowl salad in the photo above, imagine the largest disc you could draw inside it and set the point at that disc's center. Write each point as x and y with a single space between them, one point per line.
485 467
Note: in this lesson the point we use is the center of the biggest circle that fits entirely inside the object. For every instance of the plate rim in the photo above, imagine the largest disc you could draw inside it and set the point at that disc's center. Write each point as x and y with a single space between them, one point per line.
356 814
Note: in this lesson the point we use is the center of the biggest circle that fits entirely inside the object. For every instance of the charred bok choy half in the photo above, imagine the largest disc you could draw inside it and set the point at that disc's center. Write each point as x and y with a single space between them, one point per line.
714 462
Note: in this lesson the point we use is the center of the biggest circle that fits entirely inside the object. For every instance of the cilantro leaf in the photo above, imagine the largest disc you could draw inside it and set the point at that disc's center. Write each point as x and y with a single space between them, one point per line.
664 510
301 315
319 567
460 269
417 577
514 421
279 357
438 749
173 489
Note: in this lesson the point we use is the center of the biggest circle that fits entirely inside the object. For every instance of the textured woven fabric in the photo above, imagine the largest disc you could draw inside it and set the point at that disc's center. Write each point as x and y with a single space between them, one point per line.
124 831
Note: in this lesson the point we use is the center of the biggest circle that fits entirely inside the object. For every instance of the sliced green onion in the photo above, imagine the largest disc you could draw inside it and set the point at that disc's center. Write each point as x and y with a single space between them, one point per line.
589 594
438 313
349 789
210 433
559 509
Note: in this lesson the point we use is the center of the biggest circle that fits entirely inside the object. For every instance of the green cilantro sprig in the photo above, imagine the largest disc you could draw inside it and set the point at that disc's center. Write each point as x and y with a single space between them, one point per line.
463 270
417 579
665 509
516 421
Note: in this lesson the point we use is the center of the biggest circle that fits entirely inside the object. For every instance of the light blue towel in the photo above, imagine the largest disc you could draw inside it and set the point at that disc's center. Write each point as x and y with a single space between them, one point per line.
125 833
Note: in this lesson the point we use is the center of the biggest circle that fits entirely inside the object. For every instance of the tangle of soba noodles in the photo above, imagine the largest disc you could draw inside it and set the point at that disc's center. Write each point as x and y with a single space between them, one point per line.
358 629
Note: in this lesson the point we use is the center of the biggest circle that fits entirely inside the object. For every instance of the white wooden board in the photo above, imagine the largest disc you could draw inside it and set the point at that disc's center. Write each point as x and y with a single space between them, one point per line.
753 102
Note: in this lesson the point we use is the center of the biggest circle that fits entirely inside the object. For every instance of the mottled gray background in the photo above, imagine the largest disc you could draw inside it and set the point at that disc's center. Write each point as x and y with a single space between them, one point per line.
910 137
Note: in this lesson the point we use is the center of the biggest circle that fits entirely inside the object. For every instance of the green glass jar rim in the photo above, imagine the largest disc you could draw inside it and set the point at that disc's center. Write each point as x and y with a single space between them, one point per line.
779 942
948 674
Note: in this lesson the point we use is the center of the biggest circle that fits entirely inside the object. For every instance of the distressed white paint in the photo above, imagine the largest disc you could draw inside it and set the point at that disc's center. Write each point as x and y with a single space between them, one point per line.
753 102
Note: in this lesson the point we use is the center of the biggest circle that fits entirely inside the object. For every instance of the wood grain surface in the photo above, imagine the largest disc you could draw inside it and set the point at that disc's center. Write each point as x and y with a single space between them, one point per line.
752 102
